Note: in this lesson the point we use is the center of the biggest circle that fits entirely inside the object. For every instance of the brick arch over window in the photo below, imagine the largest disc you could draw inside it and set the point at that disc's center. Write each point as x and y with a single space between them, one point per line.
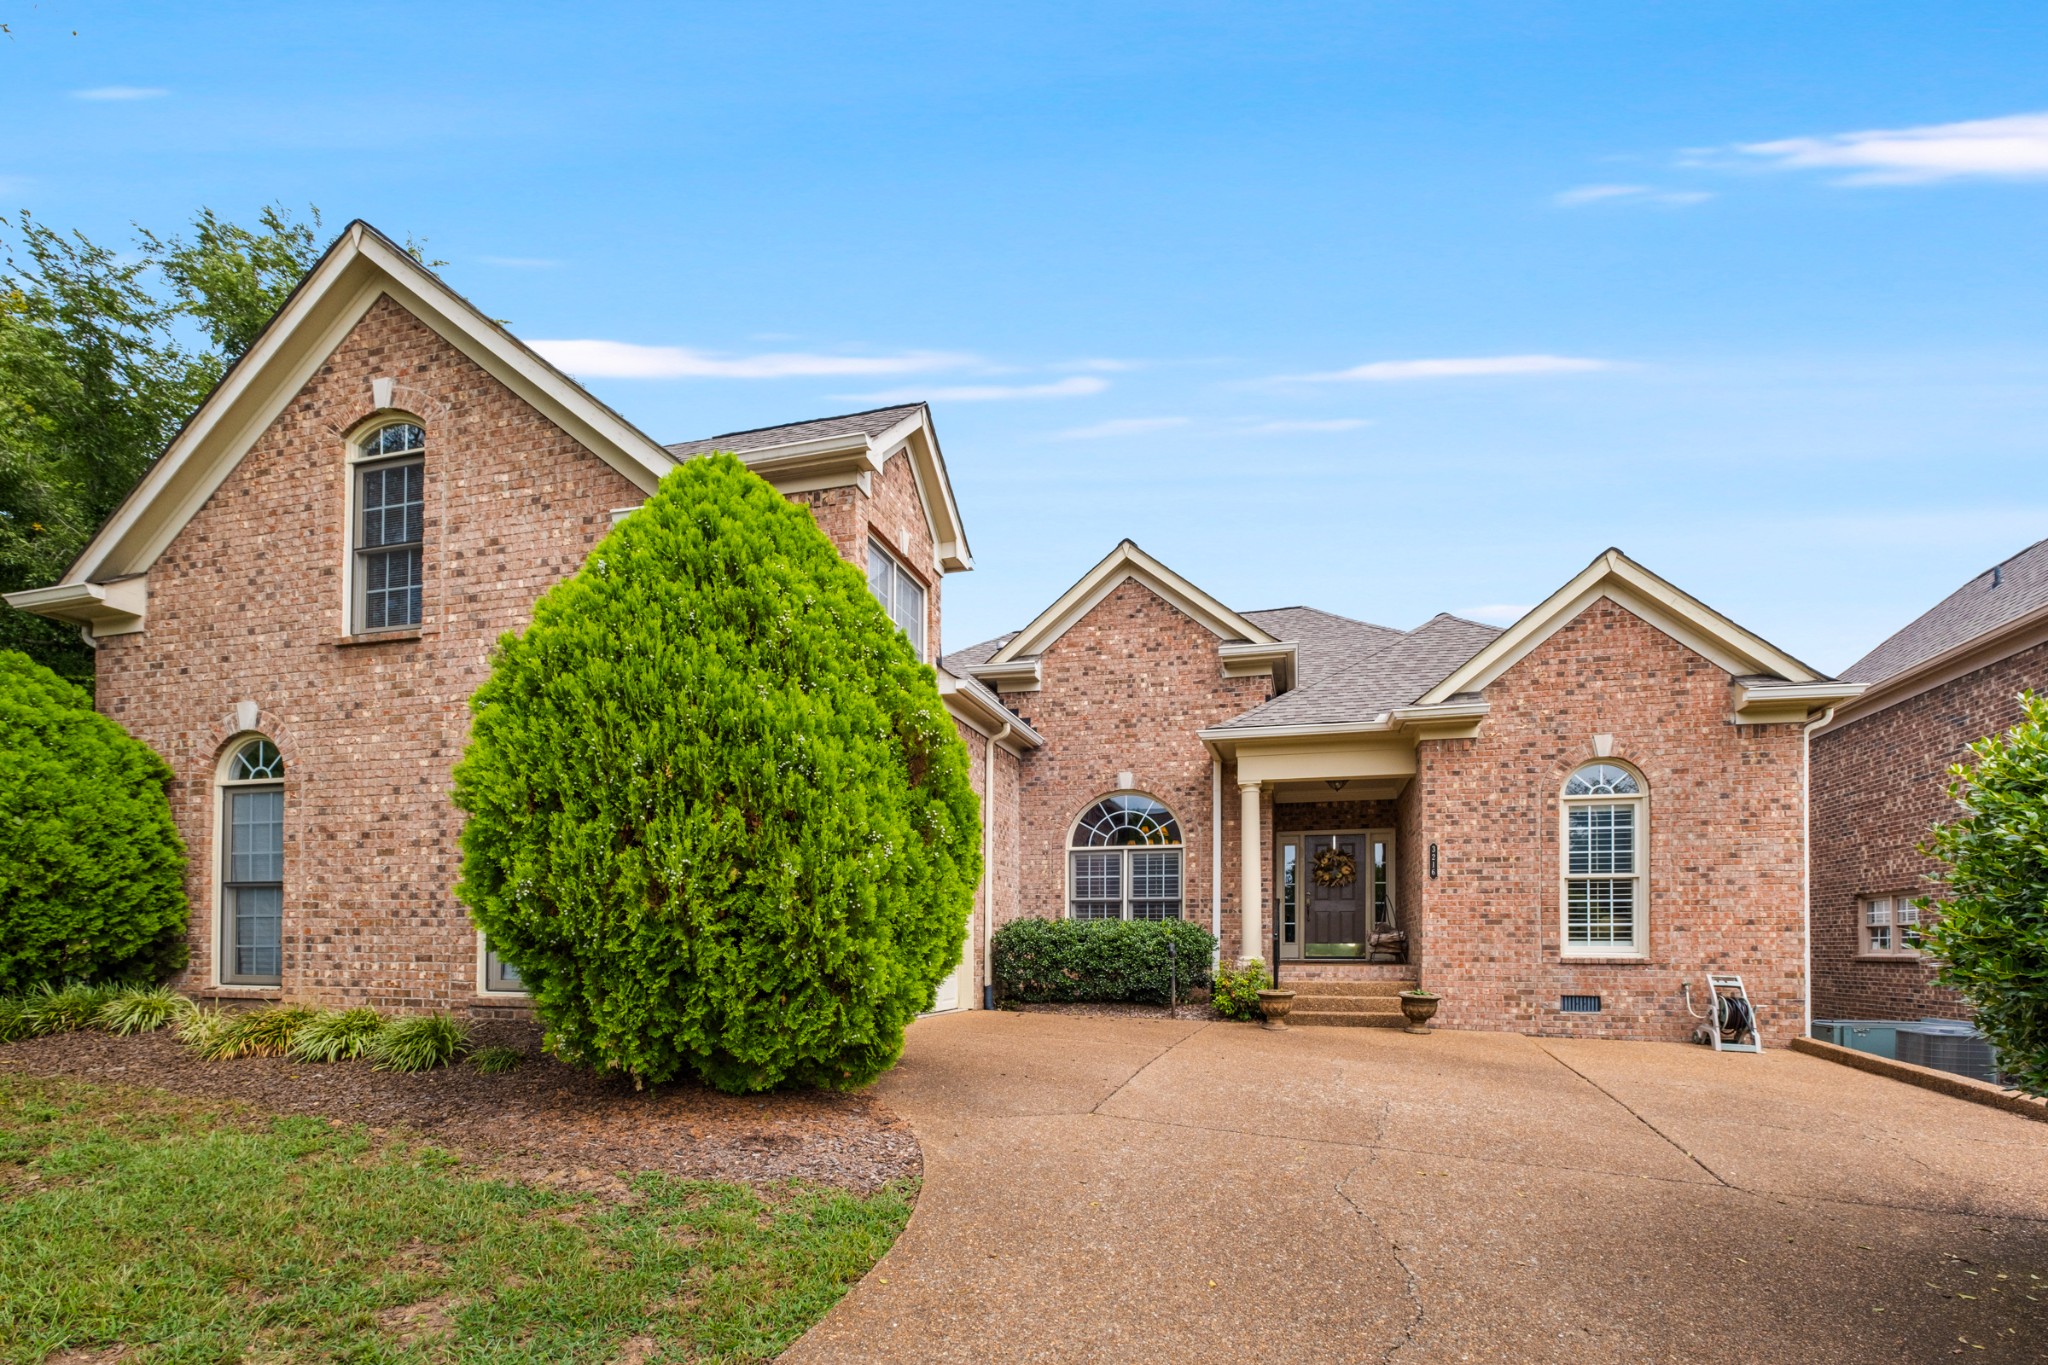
1125 856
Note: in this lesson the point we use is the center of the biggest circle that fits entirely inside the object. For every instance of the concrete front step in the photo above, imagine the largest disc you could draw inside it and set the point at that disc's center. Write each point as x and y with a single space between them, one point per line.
1345 1018
1305 991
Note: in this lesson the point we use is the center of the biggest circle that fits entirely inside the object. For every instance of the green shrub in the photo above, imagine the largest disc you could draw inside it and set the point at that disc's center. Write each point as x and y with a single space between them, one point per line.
418 1042
718 814
336 1035
92 872
494 1061
1057 961
13 1018
251 1033
1237 990
142 1009
52 1009
1990 933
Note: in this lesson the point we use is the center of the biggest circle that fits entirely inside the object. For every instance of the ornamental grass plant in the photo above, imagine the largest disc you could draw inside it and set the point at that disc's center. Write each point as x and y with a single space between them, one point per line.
62 1009
336 1035
142 1009
264 1032
418 1042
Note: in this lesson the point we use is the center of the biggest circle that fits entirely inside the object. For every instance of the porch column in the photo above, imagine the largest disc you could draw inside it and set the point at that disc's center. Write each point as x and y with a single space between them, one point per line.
1251 872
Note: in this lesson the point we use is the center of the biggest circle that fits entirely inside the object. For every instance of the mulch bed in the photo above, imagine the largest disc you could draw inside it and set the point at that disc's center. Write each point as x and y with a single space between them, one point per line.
543 1121
1120 1010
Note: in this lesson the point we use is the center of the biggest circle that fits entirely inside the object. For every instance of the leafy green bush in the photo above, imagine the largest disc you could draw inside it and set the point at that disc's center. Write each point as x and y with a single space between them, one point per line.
1056 961
142 1009
1237 990
418 1042
53 1009
92 872
493 1061
1990 933
717 812
336 1035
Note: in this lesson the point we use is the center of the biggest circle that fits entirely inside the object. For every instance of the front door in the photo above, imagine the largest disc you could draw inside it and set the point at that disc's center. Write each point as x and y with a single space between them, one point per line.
1334 888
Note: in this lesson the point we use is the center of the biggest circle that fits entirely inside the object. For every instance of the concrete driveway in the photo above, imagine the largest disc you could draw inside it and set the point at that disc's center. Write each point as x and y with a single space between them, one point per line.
1137 1191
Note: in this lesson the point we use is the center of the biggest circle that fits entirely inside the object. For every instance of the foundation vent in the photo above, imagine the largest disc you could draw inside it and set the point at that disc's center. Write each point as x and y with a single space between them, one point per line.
1579 1004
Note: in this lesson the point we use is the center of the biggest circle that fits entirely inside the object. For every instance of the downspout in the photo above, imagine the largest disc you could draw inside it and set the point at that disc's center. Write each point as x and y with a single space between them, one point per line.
91 642
1806 859
988 881
1216 862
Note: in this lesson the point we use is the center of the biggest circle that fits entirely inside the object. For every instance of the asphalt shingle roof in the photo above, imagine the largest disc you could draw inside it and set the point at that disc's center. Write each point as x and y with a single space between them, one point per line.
960 660
1323 641
1376 681
2002 593
873 422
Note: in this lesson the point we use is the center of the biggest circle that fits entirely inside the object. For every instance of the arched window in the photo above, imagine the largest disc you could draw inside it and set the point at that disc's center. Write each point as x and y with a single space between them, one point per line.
252 866
1124 861
390 529
1605 835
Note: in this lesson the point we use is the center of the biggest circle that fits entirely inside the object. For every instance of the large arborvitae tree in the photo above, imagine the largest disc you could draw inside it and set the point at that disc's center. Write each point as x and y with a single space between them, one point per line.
718 816
1990 932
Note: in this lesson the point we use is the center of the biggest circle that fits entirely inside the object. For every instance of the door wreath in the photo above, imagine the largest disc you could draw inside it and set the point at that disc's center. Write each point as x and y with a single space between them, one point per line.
1335 868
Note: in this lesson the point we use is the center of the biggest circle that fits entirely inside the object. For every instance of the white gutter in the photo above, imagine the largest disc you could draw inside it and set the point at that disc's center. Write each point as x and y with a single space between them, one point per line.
1216 861
988 888
1806 850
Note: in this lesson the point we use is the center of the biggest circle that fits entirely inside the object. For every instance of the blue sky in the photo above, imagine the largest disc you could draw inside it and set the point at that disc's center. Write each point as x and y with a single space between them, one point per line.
1389 308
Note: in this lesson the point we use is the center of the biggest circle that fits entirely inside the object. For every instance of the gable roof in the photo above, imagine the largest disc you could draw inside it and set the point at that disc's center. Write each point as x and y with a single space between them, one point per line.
1381 677
2000 596
1615 576
361 266
851 448
1128 563
1323 640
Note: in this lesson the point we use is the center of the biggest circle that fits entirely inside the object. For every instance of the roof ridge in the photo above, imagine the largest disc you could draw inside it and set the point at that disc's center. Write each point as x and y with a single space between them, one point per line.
806 421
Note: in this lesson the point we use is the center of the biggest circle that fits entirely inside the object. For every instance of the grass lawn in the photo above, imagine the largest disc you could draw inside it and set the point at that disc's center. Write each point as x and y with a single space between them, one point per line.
188 1231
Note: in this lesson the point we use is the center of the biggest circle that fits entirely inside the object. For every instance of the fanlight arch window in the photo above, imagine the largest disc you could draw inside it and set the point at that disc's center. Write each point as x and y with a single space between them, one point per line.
1606 837
390 529
1124 861
252 866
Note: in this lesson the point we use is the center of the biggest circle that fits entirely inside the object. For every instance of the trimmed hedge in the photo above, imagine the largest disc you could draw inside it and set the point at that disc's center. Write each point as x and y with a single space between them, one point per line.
1063 961
92 871
719 817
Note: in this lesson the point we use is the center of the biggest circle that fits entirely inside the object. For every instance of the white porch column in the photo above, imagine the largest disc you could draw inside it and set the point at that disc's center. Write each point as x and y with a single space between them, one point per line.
1251 873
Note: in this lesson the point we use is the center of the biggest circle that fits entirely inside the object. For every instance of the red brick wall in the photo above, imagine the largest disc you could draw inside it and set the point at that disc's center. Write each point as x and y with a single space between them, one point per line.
1880 783
1126 689
893 514
1724 866
247 604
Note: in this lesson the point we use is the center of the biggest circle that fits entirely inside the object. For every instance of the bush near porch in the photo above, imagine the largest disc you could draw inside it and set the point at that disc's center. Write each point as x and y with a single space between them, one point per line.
1064 961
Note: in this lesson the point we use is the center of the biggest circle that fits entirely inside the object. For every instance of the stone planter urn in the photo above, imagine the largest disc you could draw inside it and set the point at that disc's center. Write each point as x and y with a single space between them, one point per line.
1275 1005
1419 1007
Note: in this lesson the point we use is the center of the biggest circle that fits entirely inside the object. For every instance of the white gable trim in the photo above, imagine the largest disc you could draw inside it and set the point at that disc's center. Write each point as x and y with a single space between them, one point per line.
1126 561
361 266
1628 584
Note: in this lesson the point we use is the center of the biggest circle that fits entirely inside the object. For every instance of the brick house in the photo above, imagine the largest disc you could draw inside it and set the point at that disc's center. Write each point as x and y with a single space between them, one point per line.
1880 782
1555 824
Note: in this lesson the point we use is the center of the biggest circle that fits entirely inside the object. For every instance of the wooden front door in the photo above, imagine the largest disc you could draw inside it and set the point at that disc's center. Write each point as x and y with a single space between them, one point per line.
1334 886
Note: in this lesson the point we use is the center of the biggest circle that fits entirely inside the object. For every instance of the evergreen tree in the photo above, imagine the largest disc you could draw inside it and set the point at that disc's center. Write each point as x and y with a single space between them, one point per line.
718 816
92 872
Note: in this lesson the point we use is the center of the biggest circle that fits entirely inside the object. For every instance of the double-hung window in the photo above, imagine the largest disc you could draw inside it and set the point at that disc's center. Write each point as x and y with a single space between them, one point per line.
252 867
900 595
1890 927
1124 861
390 528
1603 863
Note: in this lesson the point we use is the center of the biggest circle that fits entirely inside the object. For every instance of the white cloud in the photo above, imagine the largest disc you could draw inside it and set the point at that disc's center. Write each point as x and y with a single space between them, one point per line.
1495 613
1099 365
1637 194
121 92
1464 367
1121 426
624 360
1077 387
1309 424
520 262
2010 148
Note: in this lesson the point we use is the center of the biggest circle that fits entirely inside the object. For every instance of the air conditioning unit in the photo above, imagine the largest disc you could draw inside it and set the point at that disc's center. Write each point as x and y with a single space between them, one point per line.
1948 1045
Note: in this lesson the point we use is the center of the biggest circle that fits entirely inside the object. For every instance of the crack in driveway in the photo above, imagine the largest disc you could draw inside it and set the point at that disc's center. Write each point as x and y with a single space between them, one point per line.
1412 1283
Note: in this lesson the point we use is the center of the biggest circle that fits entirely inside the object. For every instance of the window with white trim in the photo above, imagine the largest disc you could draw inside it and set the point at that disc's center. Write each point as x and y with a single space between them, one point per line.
390 529
500 976
1124 861
252 867
1604 838
1889 927
901 595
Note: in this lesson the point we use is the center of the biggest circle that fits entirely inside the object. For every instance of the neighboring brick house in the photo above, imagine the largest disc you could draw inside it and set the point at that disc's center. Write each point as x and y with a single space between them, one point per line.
1556 825
1881 780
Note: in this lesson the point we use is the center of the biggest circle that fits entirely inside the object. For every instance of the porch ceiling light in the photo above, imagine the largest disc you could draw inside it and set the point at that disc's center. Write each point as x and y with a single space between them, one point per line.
1337 784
